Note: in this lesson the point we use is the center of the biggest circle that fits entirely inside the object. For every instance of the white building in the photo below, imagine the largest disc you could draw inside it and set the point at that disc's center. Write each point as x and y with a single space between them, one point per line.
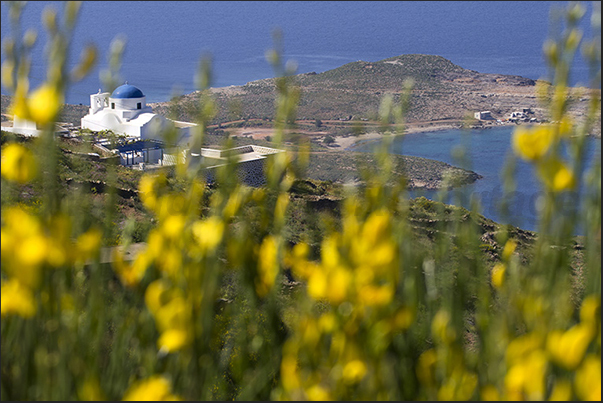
484 115
125 111
21 126
30 128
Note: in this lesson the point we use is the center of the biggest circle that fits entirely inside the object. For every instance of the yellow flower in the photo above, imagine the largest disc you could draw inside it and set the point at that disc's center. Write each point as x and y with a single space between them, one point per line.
155 295
526 378
354 371
590 311
521 346
373 246
509 248
339 280
297 256
24 246
440 327
403 318
567 348
8 67
310 332
45 104
173 340
156 243
30 254
267 266
426 367
329 251
19 106
376 295
533 143
351 226
32 251
170 262
18 163
317 393
556 175
155 388
588 378
17 299
150 187
377 227
168 205
130 274
563 180
88 244
304 269
173 226
289 375
562 391
234 203
490 393
172 315
60 247
458 386
498 275
281 207
326 323
378 256
208 233
317 284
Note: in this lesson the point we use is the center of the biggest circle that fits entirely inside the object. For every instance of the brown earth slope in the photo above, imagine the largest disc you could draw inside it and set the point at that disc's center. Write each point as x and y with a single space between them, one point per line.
442 91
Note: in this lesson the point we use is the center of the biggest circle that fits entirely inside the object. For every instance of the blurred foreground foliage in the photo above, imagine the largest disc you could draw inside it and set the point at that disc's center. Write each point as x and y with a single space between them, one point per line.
218 304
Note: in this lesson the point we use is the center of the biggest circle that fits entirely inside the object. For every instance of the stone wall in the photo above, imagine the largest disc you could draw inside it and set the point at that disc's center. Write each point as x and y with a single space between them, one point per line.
249 172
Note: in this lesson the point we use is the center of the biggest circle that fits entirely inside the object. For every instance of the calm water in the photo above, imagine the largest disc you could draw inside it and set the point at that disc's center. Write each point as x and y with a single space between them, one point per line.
167 39
488 151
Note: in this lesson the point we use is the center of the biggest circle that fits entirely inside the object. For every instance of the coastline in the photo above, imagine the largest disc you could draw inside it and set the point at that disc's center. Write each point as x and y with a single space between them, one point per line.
350 142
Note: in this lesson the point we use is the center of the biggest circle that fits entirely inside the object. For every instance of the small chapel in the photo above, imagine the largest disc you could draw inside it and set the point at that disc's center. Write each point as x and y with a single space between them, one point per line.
126 112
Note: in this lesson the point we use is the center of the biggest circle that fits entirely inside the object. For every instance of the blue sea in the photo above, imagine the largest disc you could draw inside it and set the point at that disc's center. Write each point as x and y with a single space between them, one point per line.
488 152
166 39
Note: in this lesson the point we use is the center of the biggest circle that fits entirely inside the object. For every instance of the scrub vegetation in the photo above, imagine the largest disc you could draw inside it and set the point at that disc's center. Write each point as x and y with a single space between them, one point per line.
303 288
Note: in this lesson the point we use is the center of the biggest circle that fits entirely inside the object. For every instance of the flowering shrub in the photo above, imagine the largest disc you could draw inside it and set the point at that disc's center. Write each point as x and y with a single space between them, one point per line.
207 308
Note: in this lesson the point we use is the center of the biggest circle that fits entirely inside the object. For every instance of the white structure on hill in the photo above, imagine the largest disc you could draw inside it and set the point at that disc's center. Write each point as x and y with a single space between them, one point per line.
30 128
483 115
125 111
21 126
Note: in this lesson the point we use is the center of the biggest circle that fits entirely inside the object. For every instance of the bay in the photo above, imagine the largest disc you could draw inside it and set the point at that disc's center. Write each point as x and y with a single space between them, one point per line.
487 153
166 40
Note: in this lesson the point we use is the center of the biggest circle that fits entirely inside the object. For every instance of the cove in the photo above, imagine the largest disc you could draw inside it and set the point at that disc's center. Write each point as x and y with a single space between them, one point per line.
487 152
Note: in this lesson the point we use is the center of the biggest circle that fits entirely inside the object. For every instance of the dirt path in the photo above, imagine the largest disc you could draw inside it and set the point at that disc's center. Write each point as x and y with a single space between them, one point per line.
344 142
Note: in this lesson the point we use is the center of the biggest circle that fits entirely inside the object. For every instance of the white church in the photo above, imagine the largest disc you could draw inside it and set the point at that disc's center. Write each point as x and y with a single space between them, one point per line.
125 111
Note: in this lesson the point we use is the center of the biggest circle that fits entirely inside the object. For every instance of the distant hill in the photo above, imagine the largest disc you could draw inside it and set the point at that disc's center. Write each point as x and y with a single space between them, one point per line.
442 91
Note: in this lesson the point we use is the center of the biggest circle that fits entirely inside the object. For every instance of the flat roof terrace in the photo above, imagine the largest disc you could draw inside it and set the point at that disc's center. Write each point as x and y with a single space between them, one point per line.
241 154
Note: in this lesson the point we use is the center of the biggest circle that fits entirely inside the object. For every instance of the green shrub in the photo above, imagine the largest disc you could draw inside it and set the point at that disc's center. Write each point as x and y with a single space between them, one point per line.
372 302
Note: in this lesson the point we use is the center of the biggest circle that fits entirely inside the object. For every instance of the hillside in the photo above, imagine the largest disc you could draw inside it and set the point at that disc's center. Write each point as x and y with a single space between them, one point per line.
345 166
442 91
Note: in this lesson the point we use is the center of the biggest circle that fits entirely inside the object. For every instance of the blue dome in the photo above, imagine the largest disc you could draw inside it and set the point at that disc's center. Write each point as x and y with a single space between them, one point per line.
127 91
